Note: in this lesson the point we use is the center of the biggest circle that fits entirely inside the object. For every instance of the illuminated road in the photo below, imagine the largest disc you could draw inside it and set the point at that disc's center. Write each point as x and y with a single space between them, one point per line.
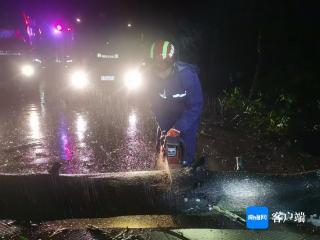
39 126
97 133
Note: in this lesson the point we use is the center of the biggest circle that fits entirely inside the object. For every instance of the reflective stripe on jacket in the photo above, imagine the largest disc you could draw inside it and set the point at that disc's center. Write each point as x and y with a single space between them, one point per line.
179 101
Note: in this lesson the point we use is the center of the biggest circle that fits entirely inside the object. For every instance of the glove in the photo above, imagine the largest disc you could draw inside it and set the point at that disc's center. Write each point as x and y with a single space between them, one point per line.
163 136
173 133
160 141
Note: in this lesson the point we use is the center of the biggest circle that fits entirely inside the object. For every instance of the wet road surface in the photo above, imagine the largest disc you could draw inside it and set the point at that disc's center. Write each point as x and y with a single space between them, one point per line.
87 132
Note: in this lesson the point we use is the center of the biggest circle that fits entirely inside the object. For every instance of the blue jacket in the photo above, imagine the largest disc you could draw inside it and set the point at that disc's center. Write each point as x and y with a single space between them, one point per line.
178 101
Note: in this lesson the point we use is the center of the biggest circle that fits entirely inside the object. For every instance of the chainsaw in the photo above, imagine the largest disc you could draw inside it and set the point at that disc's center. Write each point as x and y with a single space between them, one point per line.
174 150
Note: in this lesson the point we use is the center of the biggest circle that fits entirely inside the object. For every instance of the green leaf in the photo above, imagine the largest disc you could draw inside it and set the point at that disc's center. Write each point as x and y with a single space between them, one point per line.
23 238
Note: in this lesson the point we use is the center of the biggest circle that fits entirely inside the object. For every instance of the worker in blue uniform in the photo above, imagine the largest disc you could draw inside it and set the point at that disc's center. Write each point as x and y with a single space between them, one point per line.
176 98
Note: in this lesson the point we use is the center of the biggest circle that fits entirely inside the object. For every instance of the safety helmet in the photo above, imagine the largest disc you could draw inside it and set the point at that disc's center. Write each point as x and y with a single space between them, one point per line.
162 54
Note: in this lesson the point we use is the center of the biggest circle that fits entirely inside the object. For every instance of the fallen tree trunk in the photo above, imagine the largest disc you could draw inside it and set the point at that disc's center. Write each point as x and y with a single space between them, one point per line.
45 196
64 196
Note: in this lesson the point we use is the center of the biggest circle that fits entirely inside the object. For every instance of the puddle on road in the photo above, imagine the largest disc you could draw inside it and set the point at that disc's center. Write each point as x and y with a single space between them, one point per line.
85 139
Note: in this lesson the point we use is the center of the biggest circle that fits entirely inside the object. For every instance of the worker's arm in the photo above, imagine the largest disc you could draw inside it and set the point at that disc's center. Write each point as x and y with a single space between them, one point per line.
194 101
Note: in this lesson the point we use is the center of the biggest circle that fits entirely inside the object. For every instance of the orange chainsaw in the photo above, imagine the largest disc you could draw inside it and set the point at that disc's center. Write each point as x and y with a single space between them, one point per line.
174 149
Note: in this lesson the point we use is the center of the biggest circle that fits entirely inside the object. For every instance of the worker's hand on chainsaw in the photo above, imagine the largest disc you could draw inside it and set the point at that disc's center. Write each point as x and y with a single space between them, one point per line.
161 140
163 136
173 133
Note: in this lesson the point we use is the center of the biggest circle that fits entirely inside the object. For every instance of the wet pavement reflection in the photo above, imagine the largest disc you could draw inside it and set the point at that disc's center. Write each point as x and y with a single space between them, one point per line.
95 134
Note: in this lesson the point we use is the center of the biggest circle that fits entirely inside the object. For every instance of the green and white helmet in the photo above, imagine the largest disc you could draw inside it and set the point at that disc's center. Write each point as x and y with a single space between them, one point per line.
162 51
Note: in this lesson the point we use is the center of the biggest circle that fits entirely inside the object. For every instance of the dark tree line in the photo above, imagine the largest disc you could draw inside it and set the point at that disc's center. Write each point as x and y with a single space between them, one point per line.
267 49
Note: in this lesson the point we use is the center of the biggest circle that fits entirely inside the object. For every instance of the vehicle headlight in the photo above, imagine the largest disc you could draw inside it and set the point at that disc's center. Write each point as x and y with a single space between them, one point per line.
79 79
133 79
27 70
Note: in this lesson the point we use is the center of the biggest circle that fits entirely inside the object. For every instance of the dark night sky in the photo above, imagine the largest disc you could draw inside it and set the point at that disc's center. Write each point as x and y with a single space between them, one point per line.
224 32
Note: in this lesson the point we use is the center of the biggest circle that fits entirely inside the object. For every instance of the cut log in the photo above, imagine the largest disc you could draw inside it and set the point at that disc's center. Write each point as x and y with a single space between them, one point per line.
44 197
